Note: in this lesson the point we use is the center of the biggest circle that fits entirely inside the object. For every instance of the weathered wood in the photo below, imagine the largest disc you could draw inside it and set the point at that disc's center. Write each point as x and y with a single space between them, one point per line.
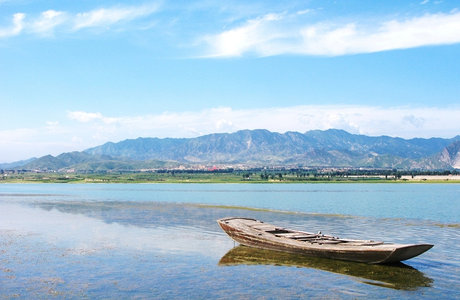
295 235
264 227
254 233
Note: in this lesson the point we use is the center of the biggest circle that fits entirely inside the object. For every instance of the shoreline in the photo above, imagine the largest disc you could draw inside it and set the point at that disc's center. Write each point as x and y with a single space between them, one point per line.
242 177
428 181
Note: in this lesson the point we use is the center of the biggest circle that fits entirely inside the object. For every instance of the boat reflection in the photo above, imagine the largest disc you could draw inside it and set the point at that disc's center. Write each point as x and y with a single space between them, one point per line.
396 276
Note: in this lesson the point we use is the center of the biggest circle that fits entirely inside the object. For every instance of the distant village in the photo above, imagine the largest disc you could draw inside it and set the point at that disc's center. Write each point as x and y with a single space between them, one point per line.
265 173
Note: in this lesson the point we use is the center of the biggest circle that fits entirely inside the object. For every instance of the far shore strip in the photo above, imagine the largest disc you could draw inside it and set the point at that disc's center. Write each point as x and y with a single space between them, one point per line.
431 177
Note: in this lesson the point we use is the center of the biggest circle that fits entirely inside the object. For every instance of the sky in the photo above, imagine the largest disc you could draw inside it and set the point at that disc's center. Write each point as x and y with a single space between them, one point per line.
77 74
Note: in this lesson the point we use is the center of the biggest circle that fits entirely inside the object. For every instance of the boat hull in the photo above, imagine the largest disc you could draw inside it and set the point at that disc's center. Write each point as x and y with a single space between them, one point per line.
378 253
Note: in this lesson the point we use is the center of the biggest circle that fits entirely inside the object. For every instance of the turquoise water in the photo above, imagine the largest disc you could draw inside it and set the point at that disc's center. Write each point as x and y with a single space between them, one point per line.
158 241
437 202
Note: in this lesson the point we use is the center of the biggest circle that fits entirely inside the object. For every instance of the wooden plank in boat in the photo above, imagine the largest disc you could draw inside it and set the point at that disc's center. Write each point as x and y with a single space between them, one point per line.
295 235
371 243
264 227
324 241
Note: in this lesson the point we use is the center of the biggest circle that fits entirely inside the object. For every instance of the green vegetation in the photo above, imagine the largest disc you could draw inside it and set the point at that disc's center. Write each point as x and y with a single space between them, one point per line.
230 176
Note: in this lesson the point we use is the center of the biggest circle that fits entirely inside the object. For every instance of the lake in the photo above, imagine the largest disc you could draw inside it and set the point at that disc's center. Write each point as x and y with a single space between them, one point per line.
162 240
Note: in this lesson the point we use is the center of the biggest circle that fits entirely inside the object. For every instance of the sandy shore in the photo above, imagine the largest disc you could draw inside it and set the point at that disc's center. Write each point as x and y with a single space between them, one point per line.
431 177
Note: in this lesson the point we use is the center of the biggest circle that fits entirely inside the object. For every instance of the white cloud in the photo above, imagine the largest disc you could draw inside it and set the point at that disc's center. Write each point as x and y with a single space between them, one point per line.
16 28
255 36
107 16
305 11
51 20
268 36
85 117
48 20
404 122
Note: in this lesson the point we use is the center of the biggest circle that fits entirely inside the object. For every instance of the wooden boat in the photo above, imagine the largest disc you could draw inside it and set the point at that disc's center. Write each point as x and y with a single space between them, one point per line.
254 233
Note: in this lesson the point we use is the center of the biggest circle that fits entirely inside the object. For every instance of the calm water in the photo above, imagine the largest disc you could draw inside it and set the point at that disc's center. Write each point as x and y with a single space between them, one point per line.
162 241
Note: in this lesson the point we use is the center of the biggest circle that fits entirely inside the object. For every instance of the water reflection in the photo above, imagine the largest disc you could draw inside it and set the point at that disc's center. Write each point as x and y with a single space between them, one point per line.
74 228
397 276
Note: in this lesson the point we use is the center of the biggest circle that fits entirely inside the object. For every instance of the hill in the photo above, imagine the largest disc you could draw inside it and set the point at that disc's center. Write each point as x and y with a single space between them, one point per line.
85 162
313 148
332 147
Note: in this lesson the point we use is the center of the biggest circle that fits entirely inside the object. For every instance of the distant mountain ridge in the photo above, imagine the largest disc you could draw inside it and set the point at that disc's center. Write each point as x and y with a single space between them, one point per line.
314 148
15 164
261 147
84 162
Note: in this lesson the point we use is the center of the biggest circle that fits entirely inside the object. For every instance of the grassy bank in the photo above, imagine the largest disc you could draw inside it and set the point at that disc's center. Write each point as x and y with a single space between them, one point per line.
209 177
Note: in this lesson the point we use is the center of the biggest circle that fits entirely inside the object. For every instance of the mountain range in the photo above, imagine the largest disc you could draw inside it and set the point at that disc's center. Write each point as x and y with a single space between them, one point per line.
316 148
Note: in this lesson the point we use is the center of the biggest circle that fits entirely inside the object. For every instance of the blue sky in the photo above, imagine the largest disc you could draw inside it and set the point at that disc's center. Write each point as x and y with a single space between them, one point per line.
75 74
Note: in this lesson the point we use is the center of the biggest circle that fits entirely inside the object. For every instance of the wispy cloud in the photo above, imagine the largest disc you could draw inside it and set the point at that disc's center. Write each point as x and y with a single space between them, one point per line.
108 16
16 27
47 22
280 34
398 121
267 35
86 117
